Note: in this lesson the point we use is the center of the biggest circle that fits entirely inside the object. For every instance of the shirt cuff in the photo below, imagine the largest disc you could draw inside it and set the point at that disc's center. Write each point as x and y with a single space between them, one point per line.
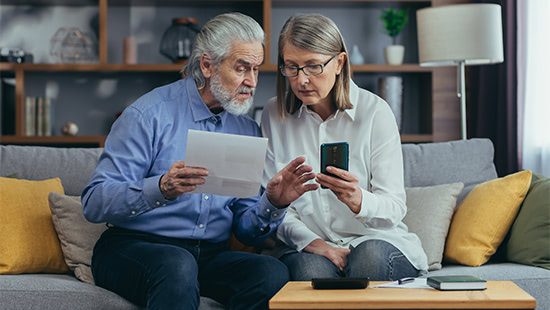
152 194
369 199
269 212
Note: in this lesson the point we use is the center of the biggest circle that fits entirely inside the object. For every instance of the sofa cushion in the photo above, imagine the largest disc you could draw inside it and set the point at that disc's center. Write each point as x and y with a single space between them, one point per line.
529 241
76 234
484 217
28 241
429 212
467 161
65 292
60 292
74 166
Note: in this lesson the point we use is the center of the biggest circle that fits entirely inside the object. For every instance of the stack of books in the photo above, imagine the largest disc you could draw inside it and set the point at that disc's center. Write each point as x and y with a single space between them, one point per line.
38 116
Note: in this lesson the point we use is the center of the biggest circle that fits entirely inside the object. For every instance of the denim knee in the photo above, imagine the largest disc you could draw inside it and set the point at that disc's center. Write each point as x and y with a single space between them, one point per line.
173 282
380 261
274 274
306 266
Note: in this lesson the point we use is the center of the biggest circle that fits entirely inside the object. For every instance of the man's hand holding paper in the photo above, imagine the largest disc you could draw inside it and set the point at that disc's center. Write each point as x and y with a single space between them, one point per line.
232 165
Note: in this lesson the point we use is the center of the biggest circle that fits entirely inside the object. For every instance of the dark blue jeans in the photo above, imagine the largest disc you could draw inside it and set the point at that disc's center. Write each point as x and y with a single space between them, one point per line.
167 273
376 259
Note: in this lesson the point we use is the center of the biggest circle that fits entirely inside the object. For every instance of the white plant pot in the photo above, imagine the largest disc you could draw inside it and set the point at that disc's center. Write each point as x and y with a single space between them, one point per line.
394 54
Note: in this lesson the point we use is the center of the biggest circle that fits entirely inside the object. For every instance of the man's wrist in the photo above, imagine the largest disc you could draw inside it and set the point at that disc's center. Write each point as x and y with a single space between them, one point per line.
162 187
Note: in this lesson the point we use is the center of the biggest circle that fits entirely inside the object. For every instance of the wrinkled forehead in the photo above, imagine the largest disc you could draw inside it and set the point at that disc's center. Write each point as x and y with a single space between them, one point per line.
249 53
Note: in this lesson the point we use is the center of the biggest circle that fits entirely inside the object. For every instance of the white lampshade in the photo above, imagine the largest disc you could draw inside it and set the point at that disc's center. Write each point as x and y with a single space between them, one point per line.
471 33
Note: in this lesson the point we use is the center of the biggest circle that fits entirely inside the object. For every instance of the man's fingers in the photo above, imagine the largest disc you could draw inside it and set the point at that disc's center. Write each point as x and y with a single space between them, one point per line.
303 169
187 188
306 177
191 181
310 187
295 163
193 171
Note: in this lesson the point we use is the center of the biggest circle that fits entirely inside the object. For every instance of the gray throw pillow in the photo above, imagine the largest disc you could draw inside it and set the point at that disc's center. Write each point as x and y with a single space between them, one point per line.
429 213
76 235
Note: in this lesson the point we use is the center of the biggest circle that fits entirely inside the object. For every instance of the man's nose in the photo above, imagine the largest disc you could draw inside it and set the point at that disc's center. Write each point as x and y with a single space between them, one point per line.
251 78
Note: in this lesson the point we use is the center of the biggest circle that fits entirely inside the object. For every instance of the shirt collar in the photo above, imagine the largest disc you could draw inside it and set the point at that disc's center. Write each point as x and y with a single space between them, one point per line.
353 95
199 110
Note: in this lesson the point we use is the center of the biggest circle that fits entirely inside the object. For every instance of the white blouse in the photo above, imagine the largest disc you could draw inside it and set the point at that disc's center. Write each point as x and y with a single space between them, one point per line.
375 158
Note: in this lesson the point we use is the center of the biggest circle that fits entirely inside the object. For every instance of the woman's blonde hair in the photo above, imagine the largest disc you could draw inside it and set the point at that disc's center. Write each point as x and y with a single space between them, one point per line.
318 34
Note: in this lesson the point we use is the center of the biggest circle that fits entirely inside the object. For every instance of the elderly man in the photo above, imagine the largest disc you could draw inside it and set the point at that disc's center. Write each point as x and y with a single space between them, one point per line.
165 247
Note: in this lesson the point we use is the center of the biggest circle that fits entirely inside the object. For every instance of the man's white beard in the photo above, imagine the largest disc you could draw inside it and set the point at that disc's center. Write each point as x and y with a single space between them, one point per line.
229 101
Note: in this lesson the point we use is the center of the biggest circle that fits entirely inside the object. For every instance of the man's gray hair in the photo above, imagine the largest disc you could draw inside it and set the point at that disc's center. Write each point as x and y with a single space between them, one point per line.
217 38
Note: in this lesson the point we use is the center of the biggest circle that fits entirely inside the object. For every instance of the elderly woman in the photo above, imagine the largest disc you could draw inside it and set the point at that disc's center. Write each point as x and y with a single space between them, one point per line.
354 227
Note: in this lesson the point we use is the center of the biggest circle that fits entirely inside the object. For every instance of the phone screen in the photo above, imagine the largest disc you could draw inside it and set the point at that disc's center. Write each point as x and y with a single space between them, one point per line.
334 154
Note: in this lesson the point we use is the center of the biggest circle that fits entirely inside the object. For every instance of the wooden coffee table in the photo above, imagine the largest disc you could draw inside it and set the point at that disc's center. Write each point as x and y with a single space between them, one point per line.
498 295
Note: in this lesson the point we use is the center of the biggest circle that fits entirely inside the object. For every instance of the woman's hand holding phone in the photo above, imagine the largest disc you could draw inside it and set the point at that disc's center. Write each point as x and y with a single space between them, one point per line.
336 177
344 186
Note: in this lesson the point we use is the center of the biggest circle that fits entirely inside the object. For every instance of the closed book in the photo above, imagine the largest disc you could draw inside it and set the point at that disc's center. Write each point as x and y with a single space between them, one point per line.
456 283
47 122
30 116
39 116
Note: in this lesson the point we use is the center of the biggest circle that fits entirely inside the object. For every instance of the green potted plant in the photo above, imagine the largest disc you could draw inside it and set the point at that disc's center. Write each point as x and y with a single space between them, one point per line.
394 21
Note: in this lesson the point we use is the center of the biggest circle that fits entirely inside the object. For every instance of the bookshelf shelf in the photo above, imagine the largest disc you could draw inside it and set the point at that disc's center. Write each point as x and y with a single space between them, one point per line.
436 117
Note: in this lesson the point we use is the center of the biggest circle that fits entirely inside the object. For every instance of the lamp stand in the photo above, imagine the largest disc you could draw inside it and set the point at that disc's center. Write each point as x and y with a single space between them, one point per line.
461 93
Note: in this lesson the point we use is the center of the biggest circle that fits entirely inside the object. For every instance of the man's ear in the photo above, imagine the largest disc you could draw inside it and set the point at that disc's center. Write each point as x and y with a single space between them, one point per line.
207 66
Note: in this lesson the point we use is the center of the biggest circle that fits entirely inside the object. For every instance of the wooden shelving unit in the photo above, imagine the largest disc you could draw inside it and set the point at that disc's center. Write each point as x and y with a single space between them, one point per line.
442 114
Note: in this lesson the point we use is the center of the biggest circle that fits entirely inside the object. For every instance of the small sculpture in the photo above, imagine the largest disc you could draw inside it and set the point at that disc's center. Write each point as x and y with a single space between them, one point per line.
69 129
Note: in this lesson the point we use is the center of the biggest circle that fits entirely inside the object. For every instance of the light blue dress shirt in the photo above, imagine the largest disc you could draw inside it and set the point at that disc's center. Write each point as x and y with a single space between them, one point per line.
149 136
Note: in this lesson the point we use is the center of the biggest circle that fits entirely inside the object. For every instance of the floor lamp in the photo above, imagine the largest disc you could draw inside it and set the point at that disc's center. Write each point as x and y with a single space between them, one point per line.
460 35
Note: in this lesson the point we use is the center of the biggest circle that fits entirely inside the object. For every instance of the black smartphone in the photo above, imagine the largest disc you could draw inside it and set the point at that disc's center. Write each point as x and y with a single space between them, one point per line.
334 154
339 283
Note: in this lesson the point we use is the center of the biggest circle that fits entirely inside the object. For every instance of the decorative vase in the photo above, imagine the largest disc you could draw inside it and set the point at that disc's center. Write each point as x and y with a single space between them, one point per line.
394 54
390 88
177 40
356 58
129 50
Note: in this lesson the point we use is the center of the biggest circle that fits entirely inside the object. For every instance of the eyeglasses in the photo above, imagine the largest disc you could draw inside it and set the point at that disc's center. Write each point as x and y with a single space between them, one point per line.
311 70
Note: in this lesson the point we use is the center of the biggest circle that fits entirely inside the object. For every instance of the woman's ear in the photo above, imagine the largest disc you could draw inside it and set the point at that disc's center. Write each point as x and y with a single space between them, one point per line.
207 67
342 57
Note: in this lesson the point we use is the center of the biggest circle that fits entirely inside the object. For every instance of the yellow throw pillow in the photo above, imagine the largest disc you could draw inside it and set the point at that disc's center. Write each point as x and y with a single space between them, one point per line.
28 241
484 217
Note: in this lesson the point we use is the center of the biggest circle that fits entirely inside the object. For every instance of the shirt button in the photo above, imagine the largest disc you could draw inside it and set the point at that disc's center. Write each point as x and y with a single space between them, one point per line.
133 212
274 214
267 210
261 228
158 203
201 226
164 205
206 197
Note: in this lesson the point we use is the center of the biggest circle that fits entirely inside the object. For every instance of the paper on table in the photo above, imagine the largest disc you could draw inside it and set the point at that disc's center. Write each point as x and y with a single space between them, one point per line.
417 283
235 163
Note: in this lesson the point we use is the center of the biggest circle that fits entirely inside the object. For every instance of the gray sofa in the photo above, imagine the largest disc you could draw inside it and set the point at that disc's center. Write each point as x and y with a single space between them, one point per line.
469 162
